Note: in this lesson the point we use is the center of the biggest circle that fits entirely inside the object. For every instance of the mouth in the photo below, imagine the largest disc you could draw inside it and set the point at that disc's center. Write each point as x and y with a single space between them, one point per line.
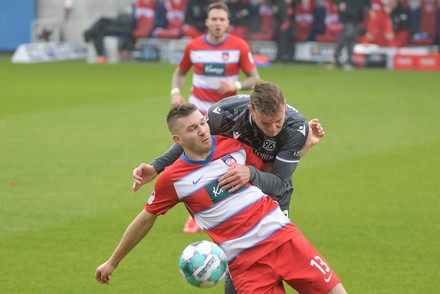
206 140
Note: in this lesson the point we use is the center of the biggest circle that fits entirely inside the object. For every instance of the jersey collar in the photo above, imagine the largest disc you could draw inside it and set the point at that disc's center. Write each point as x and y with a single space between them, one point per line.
208 159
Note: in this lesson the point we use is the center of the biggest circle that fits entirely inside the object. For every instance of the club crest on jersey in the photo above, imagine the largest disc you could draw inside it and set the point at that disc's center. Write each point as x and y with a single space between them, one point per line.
229 160
152 196
225 56
269 144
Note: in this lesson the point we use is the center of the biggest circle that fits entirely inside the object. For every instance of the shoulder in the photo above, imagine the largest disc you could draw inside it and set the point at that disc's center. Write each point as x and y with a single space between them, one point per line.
233 102
295 123
237 42
200 40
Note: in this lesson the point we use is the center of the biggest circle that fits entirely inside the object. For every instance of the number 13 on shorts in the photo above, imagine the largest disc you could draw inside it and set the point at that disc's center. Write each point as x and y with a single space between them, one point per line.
322 266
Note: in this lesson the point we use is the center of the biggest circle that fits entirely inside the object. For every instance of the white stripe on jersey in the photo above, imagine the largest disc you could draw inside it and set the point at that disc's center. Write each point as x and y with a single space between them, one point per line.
214 56
285 160
270 224
224 210
210 172
211 82
203 106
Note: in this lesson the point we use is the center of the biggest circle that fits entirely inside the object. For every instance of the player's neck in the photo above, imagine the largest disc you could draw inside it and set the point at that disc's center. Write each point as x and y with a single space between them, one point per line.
215 40
196 156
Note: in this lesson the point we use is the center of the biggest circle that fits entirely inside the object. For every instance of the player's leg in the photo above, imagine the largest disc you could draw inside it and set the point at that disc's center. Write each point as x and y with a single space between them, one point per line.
229 285
190 227
261 277
305 269
338 289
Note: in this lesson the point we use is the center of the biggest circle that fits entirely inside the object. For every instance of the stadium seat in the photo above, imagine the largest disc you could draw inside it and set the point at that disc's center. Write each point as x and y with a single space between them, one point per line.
332 25
428 21
175 20
304 19
266 28
144 13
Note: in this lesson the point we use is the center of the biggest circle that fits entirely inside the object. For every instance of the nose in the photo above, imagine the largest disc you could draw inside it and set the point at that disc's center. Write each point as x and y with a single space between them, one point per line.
272 128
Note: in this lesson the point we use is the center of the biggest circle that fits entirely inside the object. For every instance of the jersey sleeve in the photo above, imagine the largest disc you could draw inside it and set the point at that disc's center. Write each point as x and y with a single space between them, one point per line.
186 63
163 197
252 159
168 158
246 60
214 119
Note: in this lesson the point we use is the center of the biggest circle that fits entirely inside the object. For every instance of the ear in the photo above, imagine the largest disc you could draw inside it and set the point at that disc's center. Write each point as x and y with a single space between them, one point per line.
177 140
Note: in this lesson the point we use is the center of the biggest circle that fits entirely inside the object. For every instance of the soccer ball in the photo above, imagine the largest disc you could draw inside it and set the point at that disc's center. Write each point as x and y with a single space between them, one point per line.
203 264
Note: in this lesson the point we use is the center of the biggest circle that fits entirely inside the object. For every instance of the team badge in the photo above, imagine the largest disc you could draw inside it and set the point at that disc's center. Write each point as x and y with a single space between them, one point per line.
269 144
229 160
225 56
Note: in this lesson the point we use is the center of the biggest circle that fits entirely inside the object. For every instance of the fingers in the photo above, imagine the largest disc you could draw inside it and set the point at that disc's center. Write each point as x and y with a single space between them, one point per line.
101 278
136 186
233 179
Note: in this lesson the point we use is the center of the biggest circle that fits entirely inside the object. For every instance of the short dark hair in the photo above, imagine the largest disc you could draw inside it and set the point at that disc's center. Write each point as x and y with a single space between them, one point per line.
267 98
218 5
178 111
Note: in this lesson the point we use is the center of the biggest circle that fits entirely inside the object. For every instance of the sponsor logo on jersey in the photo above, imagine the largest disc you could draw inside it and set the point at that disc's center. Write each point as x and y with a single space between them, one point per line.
229 160
216 193
214 69
265 157
151 199
225 56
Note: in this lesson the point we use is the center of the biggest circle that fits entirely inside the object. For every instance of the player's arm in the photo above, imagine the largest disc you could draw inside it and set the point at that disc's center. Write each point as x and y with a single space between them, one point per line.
135 232
277 180
316 132
145 173
228 86
177 82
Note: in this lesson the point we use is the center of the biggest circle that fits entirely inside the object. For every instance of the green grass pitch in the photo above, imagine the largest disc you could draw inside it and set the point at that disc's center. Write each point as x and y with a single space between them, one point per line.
71 133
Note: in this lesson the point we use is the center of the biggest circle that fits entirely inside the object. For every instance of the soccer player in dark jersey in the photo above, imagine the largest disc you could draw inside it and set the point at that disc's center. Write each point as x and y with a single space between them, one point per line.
277 132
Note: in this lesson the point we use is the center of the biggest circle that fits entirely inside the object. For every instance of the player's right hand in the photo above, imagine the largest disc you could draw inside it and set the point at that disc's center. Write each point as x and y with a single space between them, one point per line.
177 99
103 273
142 175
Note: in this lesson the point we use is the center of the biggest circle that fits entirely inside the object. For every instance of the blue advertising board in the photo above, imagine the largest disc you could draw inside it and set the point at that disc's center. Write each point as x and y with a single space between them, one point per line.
16 17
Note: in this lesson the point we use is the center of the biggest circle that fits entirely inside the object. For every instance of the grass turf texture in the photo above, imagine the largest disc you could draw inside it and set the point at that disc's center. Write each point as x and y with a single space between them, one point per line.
367 197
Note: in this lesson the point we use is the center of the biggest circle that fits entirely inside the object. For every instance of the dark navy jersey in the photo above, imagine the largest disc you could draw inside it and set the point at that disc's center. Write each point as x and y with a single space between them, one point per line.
230 117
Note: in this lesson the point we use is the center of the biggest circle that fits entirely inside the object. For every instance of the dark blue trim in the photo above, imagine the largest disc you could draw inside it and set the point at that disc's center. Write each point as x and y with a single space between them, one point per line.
215 45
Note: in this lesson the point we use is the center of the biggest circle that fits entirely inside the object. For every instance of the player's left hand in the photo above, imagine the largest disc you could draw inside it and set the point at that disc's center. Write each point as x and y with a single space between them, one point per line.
236 176
226 87
316 132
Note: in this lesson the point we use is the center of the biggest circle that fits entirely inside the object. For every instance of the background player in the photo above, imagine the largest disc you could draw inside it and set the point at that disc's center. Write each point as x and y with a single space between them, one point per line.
217 58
